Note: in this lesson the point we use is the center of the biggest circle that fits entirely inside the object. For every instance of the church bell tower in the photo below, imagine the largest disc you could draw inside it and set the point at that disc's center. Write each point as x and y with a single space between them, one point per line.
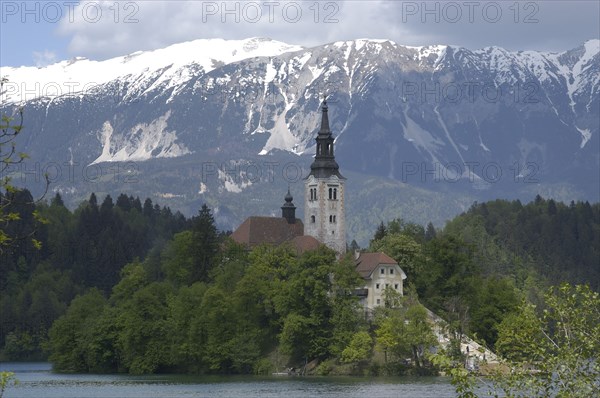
324 210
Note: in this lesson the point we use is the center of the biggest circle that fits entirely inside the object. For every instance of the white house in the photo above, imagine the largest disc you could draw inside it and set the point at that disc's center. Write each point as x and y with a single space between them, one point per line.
379 271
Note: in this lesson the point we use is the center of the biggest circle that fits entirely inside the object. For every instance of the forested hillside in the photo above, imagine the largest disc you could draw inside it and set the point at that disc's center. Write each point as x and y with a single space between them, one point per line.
131 287
559 241
486 260
79 250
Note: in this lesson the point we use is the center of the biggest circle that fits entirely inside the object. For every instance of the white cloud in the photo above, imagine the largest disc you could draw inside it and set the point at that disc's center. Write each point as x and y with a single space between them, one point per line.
103 29
43 58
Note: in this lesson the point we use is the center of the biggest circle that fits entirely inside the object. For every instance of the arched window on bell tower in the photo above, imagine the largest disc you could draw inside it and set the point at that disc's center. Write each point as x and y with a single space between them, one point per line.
332 193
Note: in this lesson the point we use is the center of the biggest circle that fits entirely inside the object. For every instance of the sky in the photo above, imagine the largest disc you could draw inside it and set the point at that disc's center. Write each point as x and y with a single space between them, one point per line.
42 32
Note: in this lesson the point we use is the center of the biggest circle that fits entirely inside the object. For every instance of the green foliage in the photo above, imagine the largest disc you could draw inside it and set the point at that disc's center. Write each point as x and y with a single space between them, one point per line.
405 332
359 348
550 354
69 336
564 346
558 241
494 299
178 296
225 325
143 327
464 382
79 250
7 379
9 213
519 334
205 244
402 248
177 259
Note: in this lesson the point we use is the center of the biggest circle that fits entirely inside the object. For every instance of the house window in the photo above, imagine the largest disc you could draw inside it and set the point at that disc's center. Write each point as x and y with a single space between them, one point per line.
312 219
396 286
391 271
382 271
334 193
386 285
378 301
313 194
377 286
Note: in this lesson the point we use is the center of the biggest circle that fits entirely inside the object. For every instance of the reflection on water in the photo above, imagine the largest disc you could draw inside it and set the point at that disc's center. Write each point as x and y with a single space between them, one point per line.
37 381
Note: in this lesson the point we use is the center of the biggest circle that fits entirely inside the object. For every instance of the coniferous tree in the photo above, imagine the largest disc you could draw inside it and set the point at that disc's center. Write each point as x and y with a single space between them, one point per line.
137 204
430 232
206 244
354 246
380 232
148 210
123 202
93 201
57 201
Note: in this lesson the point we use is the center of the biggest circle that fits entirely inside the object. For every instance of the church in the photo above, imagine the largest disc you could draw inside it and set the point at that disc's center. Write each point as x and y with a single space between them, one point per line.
325 222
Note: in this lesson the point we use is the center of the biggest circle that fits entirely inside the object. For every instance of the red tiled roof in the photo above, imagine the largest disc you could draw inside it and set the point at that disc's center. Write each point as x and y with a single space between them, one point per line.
256 231
368 262
305 243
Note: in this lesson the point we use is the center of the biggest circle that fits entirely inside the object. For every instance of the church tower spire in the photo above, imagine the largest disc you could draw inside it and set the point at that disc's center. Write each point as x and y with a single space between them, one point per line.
324 164
324 192
288 210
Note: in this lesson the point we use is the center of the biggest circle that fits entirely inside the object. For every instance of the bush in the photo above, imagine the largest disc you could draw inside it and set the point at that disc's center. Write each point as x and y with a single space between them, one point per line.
263 366
324 368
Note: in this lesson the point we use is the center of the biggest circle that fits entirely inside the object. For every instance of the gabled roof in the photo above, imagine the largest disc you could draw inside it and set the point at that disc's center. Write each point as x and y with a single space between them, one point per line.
271 230
366 263
305 243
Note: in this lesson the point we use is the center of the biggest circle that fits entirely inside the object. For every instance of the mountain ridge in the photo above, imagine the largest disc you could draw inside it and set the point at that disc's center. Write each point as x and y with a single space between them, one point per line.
481 124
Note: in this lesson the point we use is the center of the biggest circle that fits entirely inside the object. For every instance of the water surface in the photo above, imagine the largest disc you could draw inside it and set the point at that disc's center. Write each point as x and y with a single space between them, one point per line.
38 381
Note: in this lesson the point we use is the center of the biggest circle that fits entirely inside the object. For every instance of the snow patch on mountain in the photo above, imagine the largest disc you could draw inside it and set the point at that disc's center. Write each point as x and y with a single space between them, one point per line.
586 134
142 142
591 47
281 136
421 138
230 184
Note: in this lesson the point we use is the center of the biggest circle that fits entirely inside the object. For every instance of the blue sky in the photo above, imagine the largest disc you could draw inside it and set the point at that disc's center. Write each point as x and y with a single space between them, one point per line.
20 41
41 32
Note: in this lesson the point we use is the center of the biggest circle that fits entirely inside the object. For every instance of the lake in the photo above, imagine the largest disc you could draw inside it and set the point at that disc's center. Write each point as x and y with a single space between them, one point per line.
38 381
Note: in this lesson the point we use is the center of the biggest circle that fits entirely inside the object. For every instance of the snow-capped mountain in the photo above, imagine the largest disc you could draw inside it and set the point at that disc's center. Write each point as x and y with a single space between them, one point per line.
172 66
490 120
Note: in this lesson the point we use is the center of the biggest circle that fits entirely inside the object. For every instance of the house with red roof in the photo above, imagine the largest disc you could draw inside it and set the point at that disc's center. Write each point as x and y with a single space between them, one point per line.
379 272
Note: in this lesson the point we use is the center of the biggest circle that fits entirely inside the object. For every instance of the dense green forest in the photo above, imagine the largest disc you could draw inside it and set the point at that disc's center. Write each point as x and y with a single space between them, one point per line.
79 250
132 287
